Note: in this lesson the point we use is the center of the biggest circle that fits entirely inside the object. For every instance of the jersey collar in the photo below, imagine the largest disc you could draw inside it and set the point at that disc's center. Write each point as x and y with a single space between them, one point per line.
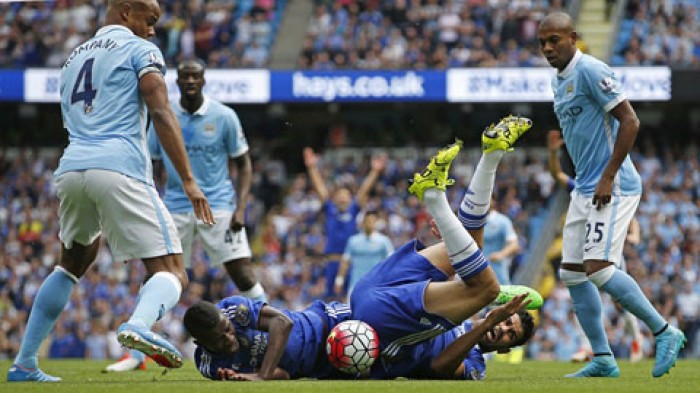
113 27
572 64
201 111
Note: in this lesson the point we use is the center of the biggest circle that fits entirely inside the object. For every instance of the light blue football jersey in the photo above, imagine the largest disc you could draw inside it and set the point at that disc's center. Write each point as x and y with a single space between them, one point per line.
101 104
212 134
584 94
497 232
366 251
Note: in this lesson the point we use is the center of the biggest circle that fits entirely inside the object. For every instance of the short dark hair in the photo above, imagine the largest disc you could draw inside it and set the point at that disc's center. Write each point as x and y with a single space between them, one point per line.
201 317
528 324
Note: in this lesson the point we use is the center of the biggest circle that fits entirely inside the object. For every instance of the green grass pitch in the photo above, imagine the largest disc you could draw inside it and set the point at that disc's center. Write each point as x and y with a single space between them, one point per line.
530 376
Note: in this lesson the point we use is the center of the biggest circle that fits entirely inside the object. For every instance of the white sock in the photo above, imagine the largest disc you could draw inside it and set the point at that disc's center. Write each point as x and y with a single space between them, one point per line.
464 254
256 293
477 200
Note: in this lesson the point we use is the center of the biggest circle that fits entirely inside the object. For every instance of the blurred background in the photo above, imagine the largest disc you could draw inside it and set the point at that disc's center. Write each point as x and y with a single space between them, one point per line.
352 79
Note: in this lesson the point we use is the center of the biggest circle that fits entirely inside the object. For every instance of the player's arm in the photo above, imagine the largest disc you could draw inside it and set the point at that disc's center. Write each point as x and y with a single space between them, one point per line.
378 164
554 143
447 363
626 134
511 248
155 95
278 326
244 177
311 162
634 233
343 269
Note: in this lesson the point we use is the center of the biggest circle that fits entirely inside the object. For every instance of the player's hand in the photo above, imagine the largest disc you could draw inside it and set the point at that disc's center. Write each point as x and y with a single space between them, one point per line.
310 158
495 257
434 229
603 193
238 220
501 313
227 374
554 140
201 206
379 162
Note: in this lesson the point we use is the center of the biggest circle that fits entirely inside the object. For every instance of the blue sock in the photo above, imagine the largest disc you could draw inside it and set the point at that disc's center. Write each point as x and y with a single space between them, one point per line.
137 355
589 311
158 295
626 291
48 304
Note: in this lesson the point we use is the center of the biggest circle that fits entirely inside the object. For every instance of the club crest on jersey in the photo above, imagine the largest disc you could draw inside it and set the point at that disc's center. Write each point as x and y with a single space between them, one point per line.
243 341
242 316
569 88
607 85
210 129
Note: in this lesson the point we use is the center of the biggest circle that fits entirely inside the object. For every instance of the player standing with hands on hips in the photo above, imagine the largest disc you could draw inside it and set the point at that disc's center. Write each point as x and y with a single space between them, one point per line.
599 127
105 184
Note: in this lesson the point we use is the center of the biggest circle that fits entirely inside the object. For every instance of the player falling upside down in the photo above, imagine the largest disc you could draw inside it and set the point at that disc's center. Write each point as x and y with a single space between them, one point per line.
411 296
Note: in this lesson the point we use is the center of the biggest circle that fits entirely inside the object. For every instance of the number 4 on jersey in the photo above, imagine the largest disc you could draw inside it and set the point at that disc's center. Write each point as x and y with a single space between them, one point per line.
88 93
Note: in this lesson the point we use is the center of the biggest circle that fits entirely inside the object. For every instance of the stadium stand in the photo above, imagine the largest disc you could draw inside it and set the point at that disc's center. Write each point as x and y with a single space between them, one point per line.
401 34
288 242
659 33
223 33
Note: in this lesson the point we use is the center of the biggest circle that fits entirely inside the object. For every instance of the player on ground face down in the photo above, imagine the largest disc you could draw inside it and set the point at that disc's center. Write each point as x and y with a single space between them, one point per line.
411 297
215 142
599 127
245 340
104 182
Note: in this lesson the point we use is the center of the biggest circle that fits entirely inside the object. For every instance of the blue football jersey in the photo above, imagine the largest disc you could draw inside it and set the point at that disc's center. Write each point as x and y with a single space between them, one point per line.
584 94
212 134
304 355
415 362
339 226
101 104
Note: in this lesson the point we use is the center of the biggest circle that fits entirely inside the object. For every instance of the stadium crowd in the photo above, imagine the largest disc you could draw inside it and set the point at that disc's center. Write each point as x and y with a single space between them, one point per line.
287 240
225 34
415 34
659 33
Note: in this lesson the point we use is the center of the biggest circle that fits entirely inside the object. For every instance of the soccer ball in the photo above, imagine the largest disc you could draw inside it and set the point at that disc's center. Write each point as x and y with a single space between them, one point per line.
352 346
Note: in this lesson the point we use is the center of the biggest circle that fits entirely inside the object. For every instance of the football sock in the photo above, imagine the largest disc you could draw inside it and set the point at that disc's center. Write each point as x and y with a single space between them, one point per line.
256 293
626 291
589 311
48 304
477 200
158 295
465 256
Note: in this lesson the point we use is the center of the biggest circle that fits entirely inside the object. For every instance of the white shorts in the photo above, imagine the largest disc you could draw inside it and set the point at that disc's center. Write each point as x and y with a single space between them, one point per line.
219 241
130 213
597 234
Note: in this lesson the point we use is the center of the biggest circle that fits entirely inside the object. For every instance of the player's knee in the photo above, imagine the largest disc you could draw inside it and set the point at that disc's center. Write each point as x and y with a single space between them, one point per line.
571 278
490 287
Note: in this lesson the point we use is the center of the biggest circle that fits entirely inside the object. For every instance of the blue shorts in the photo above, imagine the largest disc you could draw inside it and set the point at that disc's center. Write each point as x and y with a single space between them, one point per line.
390 298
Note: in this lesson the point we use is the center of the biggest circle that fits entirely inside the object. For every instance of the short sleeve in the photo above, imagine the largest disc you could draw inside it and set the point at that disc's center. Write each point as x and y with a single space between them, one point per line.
236 142
241 311
603 86
347 254
509 230
154 144
474 366
389 246
147 58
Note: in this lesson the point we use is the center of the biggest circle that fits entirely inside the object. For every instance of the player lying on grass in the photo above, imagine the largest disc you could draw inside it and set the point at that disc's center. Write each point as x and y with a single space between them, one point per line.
411 296
244 339
459 353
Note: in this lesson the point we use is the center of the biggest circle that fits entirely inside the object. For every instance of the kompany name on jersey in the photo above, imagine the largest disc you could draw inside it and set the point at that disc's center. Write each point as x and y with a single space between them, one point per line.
106 44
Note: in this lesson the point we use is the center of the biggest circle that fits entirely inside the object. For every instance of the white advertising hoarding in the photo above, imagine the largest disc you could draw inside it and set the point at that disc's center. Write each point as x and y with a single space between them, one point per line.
534 84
